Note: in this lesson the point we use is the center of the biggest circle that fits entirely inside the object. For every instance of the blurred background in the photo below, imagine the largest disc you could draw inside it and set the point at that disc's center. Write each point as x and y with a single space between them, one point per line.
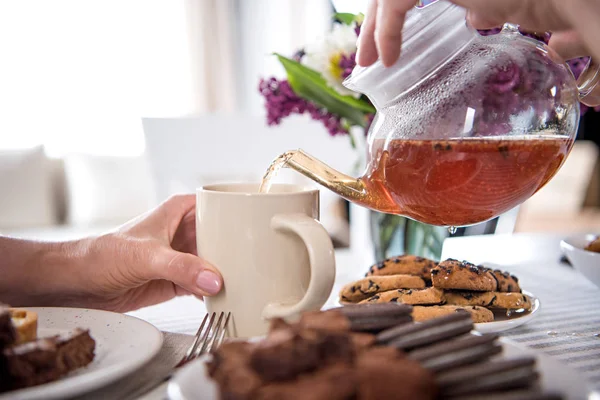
108 107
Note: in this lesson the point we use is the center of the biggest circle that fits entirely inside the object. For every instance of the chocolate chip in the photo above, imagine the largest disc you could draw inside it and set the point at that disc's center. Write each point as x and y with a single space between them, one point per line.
381 265
397 260
438 146
435 271
448 147
373 287
509 288
467 295
352 289
492 302
419 259
504 151
394 299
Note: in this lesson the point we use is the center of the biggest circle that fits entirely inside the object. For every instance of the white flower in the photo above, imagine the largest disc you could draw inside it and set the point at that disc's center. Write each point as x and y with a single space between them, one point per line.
324 56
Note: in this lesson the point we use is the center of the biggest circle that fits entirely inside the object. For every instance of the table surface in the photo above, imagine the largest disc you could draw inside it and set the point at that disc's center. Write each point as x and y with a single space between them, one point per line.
567 326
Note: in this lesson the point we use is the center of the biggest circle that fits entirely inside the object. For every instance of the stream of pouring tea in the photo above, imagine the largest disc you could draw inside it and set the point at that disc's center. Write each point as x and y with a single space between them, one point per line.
272 171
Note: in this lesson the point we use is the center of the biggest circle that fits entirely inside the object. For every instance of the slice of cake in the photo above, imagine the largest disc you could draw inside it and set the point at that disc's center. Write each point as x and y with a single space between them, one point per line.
45 360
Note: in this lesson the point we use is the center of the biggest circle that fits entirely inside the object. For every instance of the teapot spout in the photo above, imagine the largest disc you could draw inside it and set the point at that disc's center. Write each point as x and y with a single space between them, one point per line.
350 188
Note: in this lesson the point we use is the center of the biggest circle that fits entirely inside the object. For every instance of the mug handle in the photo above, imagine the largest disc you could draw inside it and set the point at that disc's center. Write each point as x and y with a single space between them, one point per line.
322 264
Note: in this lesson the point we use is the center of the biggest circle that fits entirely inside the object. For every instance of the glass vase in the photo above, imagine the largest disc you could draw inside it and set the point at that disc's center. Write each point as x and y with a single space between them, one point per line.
394 235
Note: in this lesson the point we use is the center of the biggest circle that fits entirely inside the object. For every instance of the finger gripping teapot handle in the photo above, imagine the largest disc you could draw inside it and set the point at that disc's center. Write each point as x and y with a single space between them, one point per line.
587 82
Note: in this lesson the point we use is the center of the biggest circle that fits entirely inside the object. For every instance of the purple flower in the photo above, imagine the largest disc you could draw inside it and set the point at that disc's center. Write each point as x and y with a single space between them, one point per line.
347 64
299 55
506 79
281 102
576 65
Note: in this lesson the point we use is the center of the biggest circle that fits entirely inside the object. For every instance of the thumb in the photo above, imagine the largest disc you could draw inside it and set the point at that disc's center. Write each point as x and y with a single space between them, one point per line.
188 271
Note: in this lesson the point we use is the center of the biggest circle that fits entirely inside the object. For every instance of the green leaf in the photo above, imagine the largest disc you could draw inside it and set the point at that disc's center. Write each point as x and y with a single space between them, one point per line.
349 18
310 85
346 18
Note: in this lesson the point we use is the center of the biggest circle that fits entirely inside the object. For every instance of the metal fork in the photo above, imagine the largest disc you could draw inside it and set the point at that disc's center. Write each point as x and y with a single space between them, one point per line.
207 340
202 338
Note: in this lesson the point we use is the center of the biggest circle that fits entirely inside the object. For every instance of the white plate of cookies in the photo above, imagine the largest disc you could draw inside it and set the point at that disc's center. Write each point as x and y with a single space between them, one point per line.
493 297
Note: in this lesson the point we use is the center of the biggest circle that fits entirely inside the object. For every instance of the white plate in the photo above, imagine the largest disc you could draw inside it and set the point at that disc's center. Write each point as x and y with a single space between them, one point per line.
586 262
123 344
192 381
503 322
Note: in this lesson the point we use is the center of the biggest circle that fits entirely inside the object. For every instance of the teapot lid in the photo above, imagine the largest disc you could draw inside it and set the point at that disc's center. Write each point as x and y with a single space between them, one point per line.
431 35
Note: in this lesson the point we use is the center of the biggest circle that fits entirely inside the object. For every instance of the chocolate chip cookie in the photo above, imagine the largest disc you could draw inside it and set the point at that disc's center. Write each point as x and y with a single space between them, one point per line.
506 281
508 301
404 265
454 274
369 286
425 296
478 314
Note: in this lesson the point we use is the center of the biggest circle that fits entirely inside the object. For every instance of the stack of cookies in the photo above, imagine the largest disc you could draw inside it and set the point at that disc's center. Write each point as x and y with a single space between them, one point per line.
436 289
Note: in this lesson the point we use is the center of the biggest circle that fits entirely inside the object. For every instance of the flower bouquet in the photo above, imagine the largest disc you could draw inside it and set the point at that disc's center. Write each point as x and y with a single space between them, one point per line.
313 85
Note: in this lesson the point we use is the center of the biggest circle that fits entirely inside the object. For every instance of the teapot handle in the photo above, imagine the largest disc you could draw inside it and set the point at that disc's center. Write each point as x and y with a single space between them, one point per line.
587 82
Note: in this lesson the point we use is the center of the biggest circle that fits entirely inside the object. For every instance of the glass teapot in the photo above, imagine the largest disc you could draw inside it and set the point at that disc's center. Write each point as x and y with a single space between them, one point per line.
467 126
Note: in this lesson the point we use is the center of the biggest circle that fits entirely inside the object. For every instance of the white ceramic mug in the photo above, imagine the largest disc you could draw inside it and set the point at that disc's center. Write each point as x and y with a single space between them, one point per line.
276 259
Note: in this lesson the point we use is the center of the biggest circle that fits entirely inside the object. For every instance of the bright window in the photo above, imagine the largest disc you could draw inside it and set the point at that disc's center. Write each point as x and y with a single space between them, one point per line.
78 75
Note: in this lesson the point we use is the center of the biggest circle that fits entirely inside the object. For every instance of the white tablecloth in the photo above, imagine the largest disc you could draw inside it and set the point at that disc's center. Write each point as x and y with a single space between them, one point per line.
567 327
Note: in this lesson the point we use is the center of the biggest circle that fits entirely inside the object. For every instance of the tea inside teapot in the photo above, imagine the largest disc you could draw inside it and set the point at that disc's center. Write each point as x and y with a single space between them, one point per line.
457 182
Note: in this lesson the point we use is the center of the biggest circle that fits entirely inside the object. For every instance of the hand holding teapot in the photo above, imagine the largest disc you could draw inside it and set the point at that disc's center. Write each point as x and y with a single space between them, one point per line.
572 36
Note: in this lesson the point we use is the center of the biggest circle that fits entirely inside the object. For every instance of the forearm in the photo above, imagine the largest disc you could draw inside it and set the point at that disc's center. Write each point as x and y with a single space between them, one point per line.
37 273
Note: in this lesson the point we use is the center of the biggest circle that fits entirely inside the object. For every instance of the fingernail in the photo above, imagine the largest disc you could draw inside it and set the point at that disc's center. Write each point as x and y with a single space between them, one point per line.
208 282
